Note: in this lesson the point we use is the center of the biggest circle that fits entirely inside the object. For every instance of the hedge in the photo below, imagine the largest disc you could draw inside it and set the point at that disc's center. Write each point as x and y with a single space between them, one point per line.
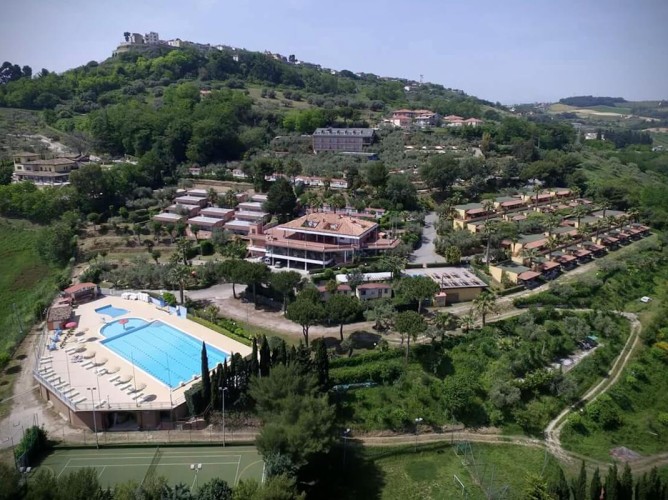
381 372
508 291
239 337
366 358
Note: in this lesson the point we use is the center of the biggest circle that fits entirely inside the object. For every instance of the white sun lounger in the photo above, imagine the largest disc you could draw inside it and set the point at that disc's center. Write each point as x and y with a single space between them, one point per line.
44 361
48 356
101 403
141 394
125 386
71 350
90 367
45 369
101 371
120 382
88 364
51 377
114 378
73 395
80 400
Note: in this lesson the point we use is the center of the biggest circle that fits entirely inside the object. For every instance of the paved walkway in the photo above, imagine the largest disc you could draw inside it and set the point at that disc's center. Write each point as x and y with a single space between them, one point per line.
426 254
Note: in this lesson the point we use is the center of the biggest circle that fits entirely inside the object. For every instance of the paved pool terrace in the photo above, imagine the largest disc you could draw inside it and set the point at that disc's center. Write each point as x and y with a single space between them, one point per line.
85 361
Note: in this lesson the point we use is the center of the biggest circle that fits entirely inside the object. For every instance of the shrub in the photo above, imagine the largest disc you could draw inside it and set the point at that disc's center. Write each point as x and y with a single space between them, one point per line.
33 443
206 247
381 372
366 358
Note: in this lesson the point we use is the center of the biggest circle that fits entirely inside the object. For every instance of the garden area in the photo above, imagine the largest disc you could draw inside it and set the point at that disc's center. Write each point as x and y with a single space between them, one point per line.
504 374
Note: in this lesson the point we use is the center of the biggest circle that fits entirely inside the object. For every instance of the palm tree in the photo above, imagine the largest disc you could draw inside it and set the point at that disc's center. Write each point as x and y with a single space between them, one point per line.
599 225
445 322
552 244
551 223
488 206
583 232
180 275
531 254
633 214
489 229
611 221
575 192
212 196
537 189
580 212
467 322
485 304
605 206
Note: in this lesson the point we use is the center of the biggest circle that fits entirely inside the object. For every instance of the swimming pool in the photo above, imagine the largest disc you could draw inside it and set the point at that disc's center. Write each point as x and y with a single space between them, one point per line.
125 325
165 352
111 311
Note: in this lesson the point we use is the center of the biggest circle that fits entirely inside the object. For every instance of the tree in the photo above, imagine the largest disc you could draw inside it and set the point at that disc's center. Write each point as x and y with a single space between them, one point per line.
337 202
306 312
377 175
417 289
595 486
485 304
206 375
626 484
281 200
612 484
180 275
215 489
254 362
441 172
185 247
467 322
445 322
409 324
342 309
557 486
536 489
489 228
401 192
579 486
355 278
298 420
382 312
321 364
453 255
252 274
285 283
231 272
530 254
265 357
82 484
10 480
293 168
552 243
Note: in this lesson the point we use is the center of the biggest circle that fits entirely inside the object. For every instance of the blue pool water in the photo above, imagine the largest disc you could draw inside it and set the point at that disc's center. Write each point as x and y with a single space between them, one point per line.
116 327
111 311
166 353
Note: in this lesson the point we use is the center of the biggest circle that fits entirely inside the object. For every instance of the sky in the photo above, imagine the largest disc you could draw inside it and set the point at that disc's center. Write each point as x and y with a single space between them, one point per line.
511 51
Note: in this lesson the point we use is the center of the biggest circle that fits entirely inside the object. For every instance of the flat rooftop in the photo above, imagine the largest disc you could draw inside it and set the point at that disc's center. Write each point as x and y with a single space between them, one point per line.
214 211
449 277
205 220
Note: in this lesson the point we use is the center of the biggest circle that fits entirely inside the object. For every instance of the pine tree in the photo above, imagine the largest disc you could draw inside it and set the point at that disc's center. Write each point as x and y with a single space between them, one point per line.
557 486
321 364
254 366
265 357
595 486
206 377
579 486
626 484
612 484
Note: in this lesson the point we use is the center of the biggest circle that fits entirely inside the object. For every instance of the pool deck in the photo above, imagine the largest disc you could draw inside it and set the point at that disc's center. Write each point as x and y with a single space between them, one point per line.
71 381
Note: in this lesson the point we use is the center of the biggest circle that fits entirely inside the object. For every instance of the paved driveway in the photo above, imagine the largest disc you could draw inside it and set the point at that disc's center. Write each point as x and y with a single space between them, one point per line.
427 252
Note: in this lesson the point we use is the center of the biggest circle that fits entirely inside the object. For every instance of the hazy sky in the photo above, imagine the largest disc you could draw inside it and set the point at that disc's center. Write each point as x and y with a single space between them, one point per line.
501 50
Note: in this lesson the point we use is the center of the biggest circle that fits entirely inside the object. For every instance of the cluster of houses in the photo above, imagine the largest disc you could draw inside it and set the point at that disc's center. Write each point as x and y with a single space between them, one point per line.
306 180
192 208
581 233
424 118
455 284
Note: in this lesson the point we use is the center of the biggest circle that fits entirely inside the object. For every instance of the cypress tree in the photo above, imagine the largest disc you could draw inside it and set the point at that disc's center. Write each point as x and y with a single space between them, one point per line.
579 486
284 352
291 355
612 484
558 486
321 364
626 484
595 486
265 361
253 366
206 377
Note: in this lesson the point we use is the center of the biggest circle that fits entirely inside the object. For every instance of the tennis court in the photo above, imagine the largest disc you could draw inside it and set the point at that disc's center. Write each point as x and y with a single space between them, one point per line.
117 465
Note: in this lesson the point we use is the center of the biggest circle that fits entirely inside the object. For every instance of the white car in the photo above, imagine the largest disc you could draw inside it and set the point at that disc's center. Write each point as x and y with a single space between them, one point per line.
645 300
278 264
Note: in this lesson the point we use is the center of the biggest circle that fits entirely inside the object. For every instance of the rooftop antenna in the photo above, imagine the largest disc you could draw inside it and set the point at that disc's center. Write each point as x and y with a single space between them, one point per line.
421 78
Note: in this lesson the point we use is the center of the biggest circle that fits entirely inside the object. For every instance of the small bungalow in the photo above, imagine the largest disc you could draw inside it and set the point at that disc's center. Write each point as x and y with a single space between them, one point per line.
82 292
370 291
567 262
581 254
58 315
550 270
510 271
168 218
341 289
596 250
191 200
529 279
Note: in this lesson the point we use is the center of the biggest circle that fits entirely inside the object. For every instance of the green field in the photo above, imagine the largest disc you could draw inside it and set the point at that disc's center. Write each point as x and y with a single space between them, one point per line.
117 465
24 282
660 139
430 472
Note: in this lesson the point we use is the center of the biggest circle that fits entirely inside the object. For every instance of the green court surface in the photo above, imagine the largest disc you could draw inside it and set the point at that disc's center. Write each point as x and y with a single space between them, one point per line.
117 465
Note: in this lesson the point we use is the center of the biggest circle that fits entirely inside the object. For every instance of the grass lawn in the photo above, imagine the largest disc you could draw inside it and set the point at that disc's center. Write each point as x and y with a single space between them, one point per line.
24 282
660 139
612 109
430 472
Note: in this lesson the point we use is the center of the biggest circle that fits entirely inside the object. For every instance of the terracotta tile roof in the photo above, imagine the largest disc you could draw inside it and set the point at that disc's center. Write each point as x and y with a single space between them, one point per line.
335 224
549 265
79 287
60 313
528 275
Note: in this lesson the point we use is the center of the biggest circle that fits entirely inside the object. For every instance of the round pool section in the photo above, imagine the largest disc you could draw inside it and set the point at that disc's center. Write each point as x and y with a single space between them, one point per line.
122 326
111 311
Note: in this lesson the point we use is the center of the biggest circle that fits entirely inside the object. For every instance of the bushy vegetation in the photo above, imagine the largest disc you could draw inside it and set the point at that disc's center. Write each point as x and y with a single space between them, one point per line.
33 443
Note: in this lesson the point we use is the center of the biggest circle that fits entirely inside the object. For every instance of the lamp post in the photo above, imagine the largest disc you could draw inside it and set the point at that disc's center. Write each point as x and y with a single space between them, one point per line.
417 422
345 436
92 399
196 468
222 396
